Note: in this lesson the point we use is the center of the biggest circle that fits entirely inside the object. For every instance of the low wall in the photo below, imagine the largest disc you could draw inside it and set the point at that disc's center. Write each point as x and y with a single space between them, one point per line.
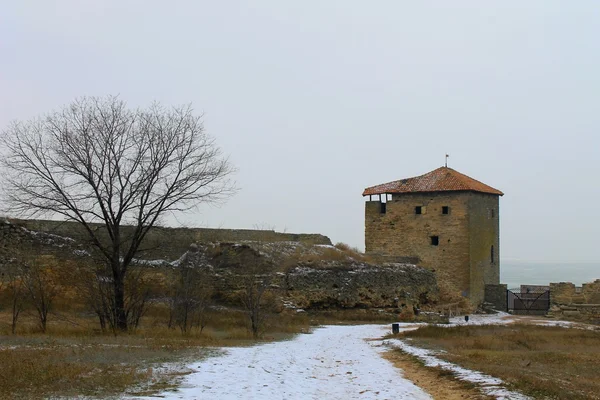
496 296
589 313
568 293
578 303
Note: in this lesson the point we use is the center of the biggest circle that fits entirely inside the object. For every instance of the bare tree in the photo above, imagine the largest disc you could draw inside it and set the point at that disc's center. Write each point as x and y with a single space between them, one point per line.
190 291
15 293
40 279
257 281
94 285
98 161
191 295
257 272
3 276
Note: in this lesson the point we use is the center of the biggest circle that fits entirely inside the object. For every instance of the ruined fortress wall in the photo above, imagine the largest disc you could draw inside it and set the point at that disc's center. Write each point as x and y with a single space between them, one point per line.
16 240
368 286
400 231
576 303
484 232
170 243
568 293
337 286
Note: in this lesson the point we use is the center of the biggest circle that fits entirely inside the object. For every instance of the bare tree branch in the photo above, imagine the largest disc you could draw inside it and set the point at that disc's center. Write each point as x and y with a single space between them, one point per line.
98 161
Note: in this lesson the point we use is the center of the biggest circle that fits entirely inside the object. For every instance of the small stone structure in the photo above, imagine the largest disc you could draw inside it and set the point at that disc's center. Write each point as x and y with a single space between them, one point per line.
495 296
446 220
580 303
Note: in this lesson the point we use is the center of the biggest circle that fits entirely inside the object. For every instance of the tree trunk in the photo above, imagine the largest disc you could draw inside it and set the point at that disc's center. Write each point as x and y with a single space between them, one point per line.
120 316
255 323
15 316
43 321
101 320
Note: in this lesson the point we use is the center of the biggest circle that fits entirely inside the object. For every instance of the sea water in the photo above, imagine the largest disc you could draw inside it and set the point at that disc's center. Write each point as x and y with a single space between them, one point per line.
516 273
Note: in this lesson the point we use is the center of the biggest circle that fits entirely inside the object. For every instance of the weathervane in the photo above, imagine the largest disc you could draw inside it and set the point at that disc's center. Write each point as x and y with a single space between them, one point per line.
447 155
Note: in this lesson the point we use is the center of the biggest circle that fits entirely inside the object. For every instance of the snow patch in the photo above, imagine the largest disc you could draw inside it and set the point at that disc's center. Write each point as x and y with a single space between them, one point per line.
49 238
334 362
150 263
487 384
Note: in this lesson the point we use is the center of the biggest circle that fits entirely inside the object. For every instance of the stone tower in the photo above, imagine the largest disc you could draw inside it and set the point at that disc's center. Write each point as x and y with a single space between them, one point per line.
444 220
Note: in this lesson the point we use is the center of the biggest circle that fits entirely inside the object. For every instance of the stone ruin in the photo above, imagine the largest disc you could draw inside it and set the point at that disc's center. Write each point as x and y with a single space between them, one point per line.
579 303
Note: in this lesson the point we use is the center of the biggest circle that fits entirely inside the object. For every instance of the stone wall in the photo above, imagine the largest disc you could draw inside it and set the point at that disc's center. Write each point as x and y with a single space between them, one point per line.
484 232
16 240
328 281
362 286
462 256
568 293
496 296
402 232
588 313
170 243
331 279
576 303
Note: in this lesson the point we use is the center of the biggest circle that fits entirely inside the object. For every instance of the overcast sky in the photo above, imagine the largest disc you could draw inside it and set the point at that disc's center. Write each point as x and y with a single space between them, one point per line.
316 100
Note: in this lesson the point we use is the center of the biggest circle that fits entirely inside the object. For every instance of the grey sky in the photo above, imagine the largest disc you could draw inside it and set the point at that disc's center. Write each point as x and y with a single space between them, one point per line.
315 100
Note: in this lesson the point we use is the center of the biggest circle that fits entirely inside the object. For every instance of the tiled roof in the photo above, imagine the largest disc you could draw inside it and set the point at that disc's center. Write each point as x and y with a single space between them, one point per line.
443 179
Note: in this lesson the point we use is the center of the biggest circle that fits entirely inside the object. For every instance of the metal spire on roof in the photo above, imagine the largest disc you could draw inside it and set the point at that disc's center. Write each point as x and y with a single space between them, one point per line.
446 164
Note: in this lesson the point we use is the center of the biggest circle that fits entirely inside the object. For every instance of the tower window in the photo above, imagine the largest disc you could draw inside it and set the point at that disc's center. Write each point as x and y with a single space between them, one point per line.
445 210
435 240
382 208
492 213
492 254
418 210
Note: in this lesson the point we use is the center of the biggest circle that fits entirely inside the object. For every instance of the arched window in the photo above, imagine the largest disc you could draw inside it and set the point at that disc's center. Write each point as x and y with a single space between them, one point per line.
492 254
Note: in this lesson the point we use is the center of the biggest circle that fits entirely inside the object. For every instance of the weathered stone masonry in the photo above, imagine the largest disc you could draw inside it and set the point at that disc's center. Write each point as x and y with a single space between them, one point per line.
447 220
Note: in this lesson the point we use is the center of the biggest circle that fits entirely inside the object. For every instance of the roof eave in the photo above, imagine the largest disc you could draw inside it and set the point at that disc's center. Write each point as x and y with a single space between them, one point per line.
365 192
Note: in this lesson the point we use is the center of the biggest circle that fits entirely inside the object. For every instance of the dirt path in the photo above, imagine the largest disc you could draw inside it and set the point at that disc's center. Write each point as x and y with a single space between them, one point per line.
437 384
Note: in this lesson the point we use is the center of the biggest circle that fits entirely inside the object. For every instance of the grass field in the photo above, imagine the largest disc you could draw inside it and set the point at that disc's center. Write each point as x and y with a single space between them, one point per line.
73 358
542 362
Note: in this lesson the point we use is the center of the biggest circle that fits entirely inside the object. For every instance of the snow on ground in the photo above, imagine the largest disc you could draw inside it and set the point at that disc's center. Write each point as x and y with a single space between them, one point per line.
483 319
562 324
334 362
487 384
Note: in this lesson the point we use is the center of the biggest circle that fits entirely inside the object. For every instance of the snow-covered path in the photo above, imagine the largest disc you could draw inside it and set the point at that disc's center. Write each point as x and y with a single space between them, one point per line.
334 362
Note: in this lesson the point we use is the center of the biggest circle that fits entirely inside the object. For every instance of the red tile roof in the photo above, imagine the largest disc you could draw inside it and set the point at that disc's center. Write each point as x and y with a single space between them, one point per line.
443 179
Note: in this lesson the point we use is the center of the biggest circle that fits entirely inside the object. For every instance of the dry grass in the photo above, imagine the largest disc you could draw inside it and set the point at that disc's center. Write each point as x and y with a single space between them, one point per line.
73 358
340 253
437 382
78 367
543 362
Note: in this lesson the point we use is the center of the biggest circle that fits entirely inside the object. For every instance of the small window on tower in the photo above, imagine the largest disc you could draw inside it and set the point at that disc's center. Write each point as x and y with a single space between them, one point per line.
445 210
492 254
418 210
492 213
435 240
